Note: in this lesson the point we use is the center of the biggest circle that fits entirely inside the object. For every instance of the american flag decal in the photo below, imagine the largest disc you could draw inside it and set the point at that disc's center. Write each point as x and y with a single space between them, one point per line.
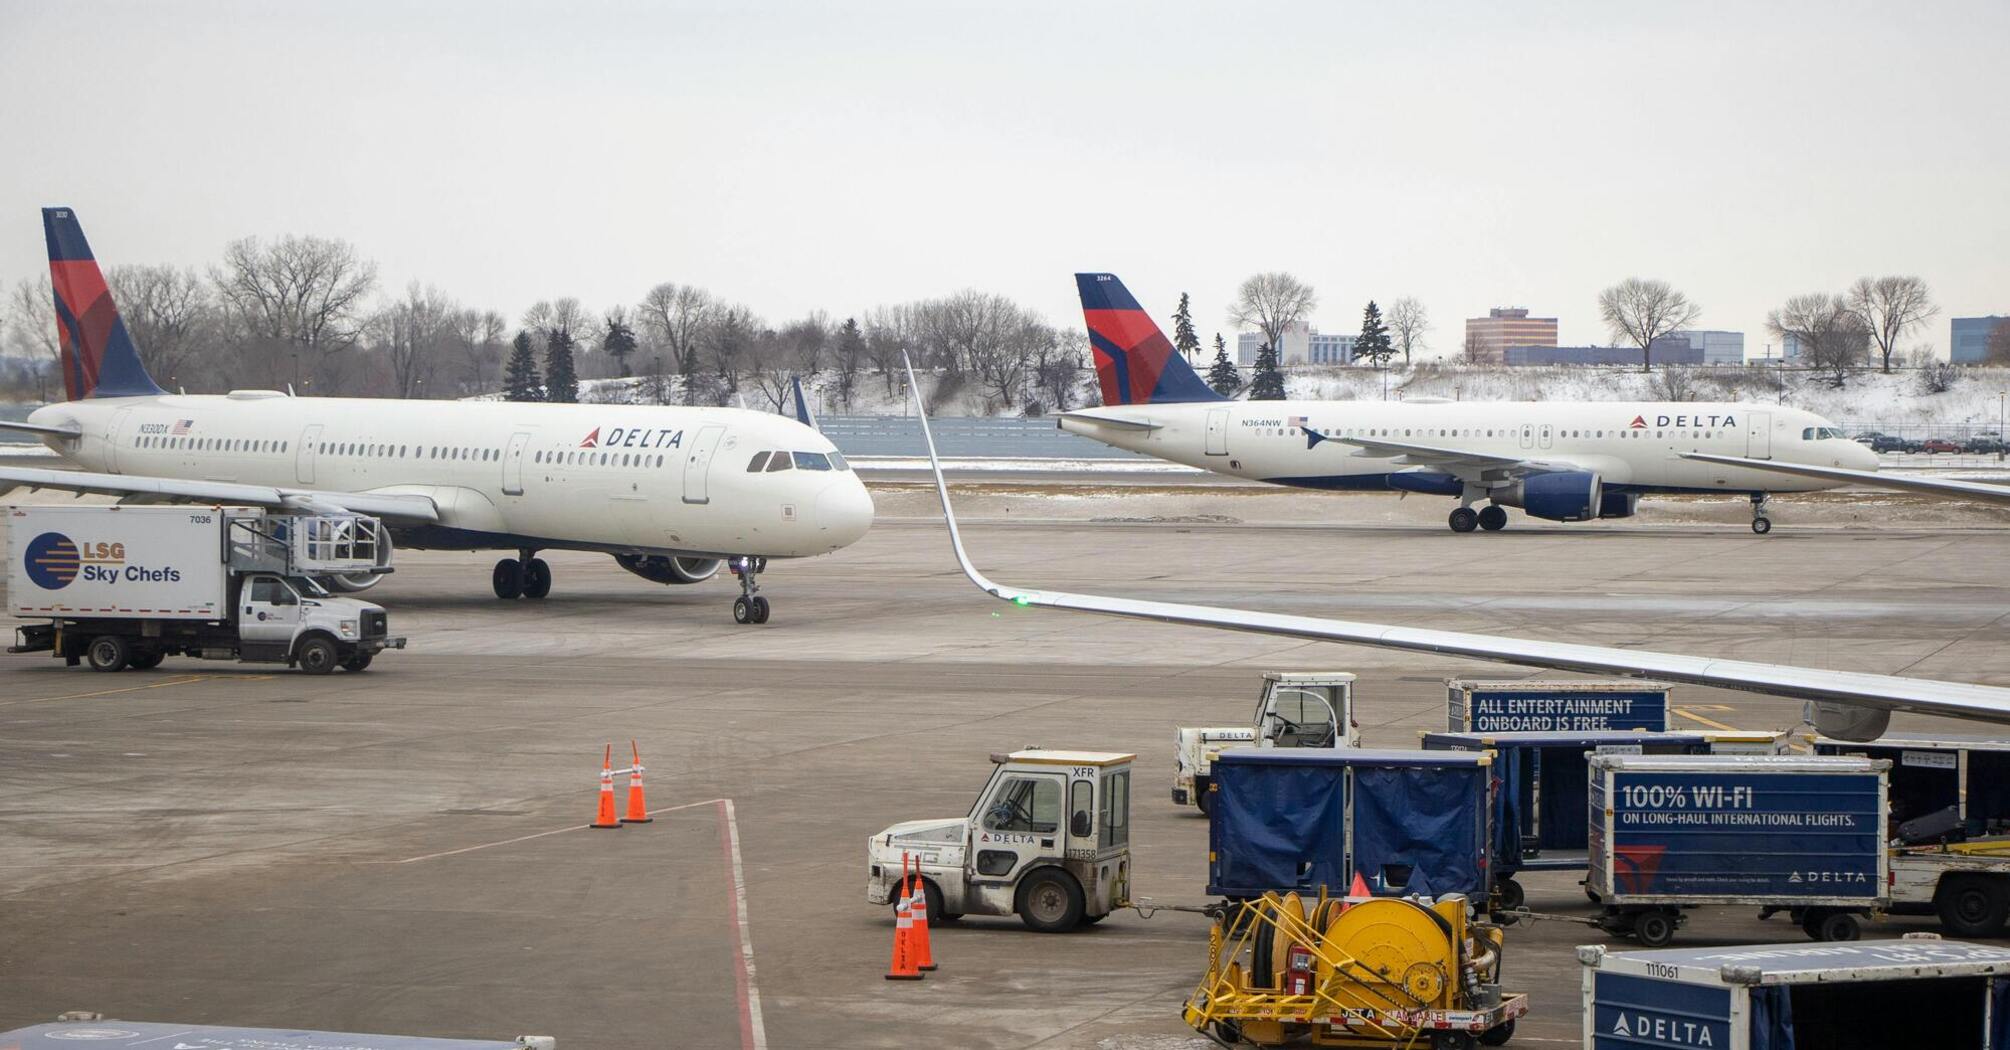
181 426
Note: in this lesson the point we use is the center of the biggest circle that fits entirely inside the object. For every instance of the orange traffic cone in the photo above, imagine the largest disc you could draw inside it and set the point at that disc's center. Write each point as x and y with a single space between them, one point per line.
604 818
902 967
1360 887
638 808
924 958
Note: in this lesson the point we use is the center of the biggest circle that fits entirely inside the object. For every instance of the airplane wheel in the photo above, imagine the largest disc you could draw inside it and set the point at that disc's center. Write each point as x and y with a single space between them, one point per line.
1762 525
743 610
508 579
537 579
1464 519
760 610
1493 518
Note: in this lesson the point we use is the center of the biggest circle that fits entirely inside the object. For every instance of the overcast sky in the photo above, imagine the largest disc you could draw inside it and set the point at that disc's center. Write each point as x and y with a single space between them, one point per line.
797 156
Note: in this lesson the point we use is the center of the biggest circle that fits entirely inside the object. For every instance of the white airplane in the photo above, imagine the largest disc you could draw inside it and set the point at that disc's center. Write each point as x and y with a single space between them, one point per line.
1559 460
672 493
1845 705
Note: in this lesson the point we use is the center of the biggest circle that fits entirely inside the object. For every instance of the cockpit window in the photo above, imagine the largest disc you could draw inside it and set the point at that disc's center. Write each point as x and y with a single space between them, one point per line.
1820 433
837 461
812 461
759 464
780 461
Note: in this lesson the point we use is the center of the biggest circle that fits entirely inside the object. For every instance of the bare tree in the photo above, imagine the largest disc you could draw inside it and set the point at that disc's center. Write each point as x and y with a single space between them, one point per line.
888 331
848 356
1887 307
1833 340
172 320
299 297
1057 366
803 343
1474 351
1640 311
1407 324
769 367
1271 303
675 317
478 336
31 330
413 334
729 346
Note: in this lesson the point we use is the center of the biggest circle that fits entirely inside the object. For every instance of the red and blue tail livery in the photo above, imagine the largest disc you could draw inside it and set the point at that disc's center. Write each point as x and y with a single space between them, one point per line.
1135 363
98 357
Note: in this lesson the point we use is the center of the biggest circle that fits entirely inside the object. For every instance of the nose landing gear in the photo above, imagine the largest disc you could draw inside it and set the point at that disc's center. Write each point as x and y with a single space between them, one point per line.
526 576
749 607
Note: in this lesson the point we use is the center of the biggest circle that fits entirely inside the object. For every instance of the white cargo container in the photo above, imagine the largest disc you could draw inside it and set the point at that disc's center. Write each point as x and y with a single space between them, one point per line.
128 586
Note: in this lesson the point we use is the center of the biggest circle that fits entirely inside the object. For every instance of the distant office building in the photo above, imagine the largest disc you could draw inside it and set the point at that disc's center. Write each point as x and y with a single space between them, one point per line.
1668 350
1719 348
1488 337
1301 345
1968 338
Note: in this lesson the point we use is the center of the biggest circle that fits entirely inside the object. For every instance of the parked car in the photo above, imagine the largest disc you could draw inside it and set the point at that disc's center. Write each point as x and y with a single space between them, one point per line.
1938 445
1985 443
1889 443
1867 437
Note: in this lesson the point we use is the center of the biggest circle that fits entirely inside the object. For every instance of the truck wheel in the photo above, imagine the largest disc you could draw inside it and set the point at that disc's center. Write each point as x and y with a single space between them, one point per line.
317 655
1050 901
1654 929
1511 894
1200 801
1835 926
145 661
1499 1034
108 652
1972 905
930 893
358 662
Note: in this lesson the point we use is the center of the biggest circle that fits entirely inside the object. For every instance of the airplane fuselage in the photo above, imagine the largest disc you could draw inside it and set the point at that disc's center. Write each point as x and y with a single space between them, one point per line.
1633 446
617 478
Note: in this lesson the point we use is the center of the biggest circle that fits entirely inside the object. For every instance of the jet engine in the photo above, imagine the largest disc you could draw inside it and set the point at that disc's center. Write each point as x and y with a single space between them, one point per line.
1559 495
1618 504
662 568
1852 722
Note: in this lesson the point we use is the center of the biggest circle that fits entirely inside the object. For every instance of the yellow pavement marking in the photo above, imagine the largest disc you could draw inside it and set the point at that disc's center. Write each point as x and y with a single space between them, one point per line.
1712 723
188 680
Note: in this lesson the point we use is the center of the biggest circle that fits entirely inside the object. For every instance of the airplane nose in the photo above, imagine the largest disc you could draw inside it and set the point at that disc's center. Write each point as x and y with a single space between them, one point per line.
844 512
1862 458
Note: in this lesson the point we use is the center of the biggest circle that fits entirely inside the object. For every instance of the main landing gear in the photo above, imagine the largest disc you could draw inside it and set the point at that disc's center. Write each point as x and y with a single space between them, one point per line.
1490 517
1760 523
749 607
525 576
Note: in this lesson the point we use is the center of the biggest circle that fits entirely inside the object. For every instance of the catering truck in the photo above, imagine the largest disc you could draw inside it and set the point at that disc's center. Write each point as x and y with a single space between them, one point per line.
1789 833
128 586
1294 709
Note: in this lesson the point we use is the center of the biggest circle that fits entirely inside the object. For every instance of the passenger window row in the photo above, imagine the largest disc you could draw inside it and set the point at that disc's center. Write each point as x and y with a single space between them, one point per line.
190 444
597 459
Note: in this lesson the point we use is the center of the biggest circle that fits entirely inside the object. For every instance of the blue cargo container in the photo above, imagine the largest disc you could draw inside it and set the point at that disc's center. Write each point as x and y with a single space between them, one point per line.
1805 834
1291 820
1964 776
1873 995
1540 796
1564 706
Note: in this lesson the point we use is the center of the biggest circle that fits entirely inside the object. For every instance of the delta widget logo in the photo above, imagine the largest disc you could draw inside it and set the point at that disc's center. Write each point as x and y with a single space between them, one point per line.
52 561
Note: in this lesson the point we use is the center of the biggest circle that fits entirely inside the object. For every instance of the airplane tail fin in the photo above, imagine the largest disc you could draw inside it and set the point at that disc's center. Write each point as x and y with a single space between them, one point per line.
1135 363
98 356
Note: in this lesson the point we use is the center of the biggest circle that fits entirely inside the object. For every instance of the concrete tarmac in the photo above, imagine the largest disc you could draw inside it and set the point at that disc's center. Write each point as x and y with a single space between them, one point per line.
401 850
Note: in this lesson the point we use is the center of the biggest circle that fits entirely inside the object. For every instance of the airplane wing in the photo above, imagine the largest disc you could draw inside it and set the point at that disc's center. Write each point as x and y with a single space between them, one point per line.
399 507
1981 490
1465 464
1852 688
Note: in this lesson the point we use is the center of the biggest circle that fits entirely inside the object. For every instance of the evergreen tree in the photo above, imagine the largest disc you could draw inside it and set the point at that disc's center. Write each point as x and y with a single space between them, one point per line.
1223 377
520 381
1374 343
1268 383
1184 340
561 382
619 341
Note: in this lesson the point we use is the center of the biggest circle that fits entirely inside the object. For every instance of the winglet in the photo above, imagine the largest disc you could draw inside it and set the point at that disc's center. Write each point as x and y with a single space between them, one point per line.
803 415
942 490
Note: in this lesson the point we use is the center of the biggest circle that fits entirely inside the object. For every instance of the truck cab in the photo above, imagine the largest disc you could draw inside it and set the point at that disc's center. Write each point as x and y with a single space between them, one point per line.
1048 840
293 619
1293 709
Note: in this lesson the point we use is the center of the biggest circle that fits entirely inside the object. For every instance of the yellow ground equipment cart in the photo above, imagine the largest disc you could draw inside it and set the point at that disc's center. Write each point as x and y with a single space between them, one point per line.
1360 972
